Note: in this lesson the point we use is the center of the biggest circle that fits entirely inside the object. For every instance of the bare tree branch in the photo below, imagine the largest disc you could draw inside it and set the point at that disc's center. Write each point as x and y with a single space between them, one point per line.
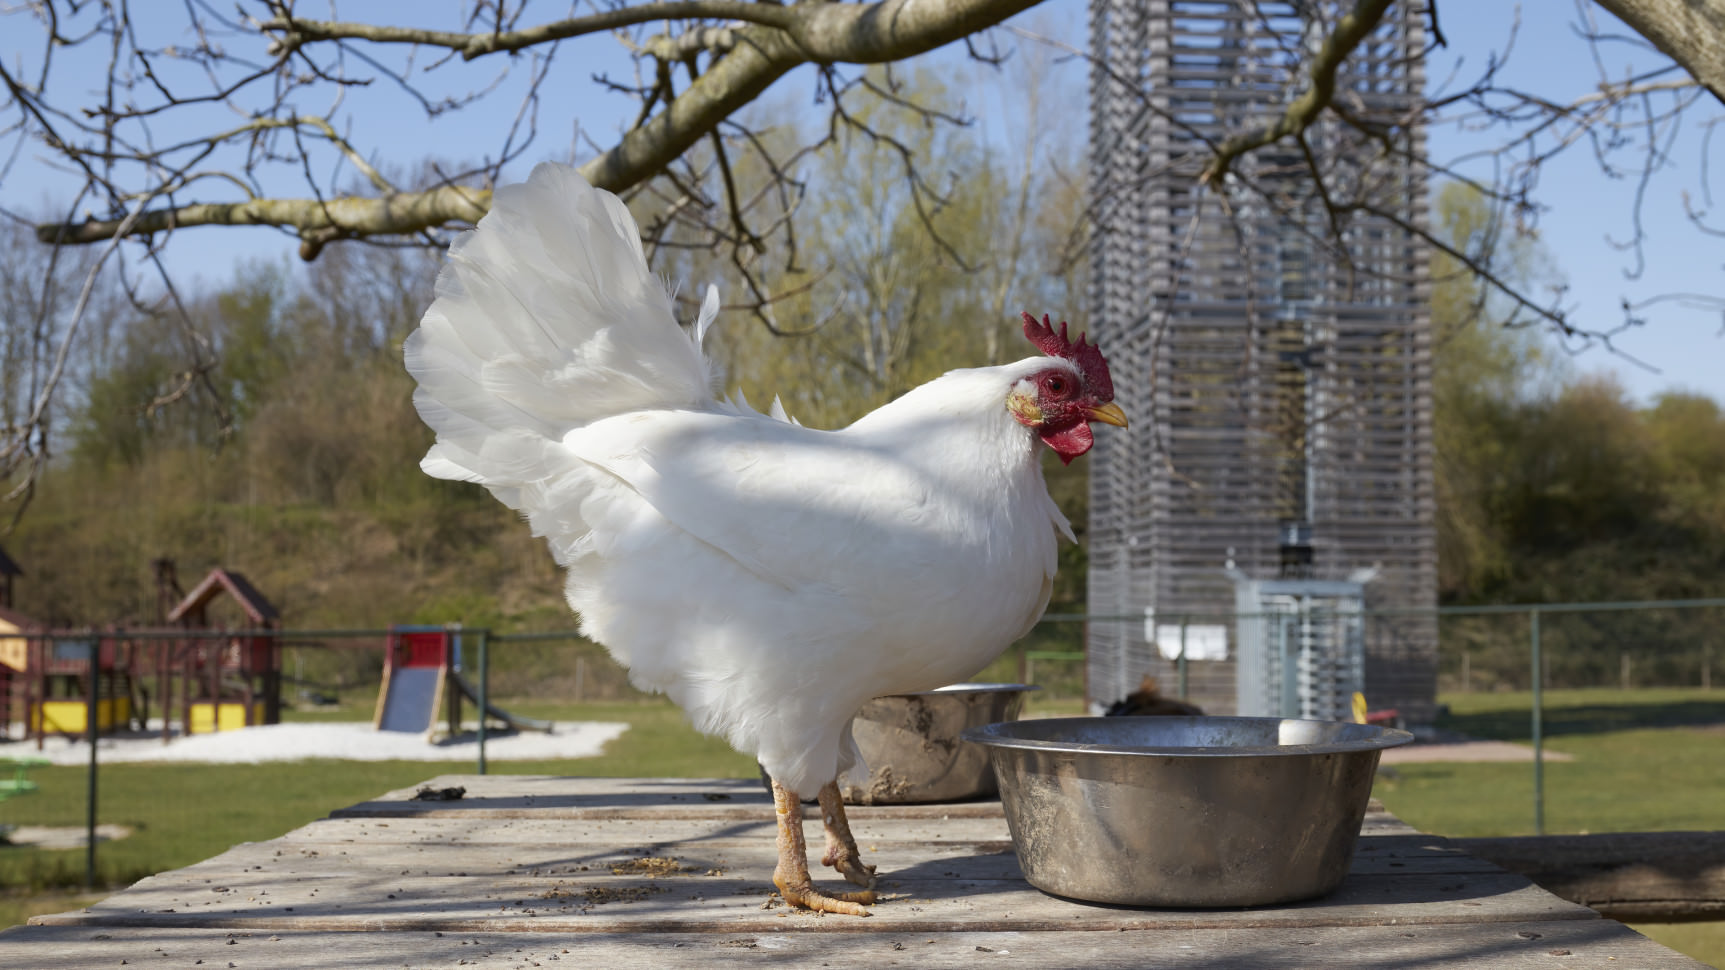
316 220
294 32
1687 31
775 41
1352 28
854 33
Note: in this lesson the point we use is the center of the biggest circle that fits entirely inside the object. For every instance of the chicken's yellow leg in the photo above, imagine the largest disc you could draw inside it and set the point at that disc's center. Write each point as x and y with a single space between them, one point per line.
842 851
791 875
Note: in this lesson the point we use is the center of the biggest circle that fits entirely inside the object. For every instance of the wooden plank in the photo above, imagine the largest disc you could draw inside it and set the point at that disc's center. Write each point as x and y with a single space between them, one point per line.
1570 945
632 830
919 899
555 797
648 832
1654 876
750 859
551 792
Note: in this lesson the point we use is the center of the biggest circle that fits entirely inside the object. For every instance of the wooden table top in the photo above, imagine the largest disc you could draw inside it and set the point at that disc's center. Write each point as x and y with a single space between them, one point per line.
528 871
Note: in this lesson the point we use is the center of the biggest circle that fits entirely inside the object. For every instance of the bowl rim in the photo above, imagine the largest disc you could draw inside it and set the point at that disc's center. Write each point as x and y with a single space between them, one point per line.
970 687
991 735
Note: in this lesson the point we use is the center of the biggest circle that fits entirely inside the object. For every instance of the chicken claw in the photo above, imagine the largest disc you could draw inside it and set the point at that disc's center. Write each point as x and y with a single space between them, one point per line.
791 874
842 851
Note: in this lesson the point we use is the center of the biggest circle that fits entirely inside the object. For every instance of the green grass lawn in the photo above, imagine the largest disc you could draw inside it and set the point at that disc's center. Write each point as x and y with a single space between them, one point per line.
1625 745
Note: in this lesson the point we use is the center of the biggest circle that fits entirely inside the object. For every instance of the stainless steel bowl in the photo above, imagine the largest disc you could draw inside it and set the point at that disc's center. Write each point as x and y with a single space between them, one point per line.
1185 811
914 749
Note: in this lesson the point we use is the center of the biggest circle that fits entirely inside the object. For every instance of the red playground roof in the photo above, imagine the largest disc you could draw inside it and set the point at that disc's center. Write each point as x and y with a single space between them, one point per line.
190 610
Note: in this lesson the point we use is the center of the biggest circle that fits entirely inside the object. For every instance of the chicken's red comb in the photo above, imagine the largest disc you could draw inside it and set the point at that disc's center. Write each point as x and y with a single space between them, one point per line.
1088 357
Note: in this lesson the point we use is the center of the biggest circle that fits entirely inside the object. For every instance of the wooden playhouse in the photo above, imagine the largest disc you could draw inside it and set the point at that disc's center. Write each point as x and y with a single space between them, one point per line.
231 680
49 680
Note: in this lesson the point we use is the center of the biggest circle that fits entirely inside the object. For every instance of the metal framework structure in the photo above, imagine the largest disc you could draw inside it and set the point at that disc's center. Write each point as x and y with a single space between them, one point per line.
1279 384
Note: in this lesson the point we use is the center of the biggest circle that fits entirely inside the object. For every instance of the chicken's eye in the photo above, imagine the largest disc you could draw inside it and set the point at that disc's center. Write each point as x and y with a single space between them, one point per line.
1056 385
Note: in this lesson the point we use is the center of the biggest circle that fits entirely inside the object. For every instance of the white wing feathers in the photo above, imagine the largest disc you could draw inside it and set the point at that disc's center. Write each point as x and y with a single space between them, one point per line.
546 319
801 509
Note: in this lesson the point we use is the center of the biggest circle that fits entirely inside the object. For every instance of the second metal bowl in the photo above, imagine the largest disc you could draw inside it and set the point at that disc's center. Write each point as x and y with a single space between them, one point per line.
914 748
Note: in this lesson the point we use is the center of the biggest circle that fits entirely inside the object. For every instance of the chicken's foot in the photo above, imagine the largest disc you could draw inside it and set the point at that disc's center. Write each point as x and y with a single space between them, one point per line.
791 875
842 851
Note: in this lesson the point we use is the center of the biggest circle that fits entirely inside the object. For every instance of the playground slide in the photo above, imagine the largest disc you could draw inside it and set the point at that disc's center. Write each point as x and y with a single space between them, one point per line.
410 699
515 721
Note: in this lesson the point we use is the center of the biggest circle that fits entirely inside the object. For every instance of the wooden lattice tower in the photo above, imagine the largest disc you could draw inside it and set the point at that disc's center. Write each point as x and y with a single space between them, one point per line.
1279 388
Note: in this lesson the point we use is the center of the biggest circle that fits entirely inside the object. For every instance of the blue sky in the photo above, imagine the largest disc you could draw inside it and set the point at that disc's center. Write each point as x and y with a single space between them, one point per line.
1683 349
1678 349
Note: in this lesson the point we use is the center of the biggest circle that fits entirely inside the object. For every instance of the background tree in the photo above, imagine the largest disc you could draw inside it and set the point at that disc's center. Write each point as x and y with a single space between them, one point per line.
266 115
1487 362
1553 488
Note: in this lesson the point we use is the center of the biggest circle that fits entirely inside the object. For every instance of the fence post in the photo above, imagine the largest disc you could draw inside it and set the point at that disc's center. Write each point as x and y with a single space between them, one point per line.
91 707
484 690
1289 705
1538 728
1182 662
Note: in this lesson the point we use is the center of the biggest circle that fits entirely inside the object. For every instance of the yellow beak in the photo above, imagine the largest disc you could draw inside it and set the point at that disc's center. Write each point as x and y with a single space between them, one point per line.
1109 413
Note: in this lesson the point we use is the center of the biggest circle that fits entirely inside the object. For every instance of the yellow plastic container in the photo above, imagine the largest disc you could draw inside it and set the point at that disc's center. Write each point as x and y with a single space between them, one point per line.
72 717
226 716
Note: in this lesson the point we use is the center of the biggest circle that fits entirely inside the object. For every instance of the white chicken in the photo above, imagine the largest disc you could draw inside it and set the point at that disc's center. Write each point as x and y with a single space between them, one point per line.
770 578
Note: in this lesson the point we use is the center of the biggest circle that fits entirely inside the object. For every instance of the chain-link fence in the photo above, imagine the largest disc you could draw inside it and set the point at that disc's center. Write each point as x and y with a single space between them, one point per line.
1569 672
1582 645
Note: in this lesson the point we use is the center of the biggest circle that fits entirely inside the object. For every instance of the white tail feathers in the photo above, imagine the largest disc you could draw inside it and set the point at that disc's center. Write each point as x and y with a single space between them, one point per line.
709 312
546 319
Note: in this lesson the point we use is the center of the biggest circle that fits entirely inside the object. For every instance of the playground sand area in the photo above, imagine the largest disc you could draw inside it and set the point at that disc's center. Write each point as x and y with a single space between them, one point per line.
351 741
1466 750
